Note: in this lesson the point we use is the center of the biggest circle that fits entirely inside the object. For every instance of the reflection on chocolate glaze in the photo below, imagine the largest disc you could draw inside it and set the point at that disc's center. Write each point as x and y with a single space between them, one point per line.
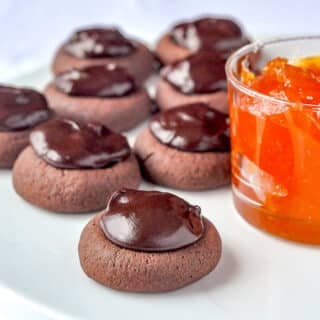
209 33
21 109
151 221
96 81
68 144
99 42
193 128
202 72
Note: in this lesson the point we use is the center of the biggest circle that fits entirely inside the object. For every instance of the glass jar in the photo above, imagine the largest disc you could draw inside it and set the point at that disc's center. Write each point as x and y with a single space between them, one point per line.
275 148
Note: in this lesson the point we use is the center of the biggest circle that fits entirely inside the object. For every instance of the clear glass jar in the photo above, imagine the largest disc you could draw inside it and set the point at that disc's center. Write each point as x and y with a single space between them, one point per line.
275 148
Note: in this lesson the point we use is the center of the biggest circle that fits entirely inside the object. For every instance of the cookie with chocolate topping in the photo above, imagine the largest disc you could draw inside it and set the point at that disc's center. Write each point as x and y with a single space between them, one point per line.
21 109
199 78
104 45
105 94
74 167
148 241
187 147
206 33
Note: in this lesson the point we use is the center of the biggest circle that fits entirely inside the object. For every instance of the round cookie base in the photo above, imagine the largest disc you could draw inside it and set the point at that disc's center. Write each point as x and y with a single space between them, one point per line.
170 52
136 271
118 114
140 63
73 190
11 144
177 169
168 97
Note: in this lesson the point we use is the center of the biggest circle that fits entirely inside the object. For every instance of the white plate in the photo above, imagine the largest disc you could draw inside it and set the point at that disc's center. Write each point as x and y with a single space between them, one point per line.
259 276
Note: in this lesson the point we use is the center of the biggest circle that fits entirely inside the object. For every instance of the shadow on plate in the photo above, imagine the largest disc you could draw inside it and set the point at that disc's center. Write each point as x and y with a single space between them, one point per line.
225 271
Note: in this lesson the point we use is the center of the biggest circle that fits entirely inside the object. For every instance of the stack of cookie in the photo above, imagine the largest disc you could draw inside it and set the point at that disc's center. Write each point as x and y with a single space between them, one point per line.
69 153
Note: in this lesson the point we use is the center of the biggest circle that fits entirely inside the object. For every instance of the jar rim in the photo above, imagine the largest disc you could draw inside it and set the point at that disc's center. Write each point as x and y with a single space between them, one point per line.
254 48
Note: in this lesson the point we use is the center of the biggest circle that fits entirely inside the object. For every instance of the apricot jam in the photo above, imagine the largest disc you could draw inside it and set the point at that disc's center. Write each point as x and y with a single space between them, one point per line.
275 137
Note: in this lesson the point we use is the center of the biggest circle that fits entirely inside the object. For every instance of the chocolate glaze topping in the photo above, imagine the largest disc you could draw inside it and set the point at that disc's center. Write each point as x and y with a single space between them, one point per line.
68 144
151 221
21 109
99 42
209 33
96 81
193 128
200 73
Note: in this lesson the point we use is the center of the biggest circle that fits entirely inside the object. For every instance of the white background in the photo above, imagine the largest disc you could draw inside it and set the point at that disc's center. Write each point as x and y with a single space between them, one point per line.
31 29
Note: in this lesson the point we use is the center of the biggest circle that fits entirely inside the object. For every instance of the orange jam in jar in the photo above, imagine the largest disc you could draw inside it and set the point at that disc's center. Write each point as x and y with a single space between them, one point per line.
274 98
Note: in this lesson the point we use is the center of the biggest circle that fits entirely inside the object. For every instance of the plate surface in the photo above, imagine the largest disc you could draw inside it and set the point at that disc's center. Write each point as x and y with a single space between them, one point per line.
258 277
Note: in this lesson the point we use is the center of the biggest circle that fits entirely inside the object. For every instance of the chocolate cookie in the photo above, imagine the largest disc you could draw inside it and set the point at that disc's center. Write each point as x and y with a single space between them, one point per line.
104 94
207 33
198 78
102 45
186 148
72 167
170 246
20 110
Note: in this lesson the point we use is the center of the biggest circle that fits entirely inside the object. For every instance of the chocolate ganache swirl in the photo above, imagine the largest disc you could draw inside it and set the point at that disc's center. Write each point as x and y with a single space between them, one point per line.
201 73
68 144
21 109
210 33
99 42
192 128
105 81
151 221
